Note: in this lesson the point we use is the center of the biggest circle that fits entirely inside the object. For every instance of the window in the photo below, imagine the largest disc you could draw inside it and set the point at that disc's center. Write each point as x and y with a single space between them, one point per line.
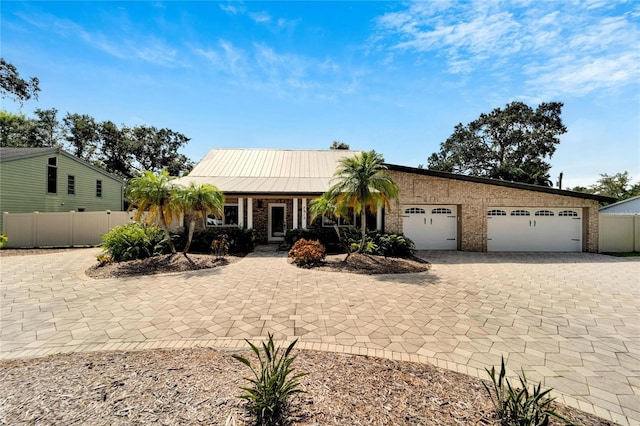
568 213
544 213
52 175
414 210
441 210
496 212
71 185
520 213
99 188
329 220
349 219
229 217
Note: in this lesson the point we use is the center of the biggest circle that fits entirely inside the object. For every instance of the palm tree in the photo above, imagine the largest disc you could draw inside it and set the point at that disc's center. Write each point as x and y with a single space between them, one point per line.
152 193
361 184
324 206
198 201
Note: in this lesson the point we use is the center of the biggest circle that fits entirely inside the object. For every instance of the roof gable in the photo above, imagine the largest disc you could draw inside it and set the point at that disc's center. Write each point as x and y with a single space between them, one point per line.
270 163
11 154
274 171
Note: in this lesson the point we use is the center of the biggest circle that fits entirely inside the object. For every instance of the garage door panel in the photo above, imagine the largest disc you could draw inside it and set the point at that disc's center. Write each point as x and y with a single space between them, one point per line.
534 229
431 227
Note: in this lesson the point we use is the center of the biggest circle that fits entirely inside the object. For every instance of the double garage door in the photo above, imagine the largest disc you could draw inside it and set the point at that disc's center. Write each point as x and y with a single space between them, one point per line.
534 229
435 227
431 227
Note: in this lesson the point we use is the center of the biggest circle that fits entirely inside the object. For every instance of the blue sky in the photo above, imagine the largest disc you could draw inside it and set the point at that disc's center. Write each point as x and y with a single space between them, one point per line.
391 76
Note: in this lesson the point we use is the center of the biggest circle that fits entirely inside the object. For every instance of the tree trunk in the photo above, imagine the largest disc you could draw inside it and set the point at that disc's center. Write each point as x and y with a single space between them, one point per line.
346 246
165 228
192 226
363 229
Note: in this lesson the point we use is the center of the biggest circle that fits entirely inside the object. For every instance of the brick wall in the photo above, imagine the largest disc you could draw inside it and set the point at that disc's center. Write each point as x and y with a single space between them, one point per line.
473 200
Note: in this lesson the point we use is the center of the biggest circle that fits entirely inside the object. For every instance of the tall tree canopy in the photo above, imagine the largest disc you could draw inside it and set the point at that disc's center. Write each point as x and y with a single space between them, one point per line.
15 87
508 144
124 151
339 145
618 186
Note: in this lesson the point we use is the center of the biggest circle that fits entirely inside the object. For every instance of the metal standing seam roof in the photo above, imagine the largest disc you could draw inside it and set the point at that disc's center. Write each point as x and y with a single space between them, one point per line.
268 170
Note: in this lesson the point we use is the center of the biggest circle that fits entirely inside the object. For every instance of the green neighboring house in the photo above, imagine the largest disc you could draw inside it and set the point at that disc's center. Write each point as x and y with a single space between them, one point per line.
52 180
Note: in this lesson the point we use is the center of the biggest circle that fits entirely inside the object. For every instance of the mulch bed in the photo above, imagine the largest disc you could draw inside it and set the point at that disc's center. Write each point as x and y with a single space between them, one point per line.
199 386
159 264
372 265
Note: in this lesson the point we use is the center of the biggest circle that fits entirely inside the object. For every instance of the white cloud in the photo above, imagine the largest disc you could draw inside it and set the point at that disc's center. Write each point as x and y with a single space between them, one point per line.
232 8
148 49
260 17
226 57
562 48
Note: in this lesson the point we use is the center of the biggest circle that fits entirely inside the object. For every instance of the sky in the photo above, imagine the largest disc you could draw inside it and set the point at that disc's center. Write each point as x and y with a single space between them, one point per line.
396 77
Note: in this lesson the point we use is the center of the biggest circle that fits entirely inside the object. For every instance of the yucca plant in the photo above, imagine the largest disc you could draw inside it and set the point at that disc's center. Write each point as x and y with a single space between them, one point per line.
519 406
273 381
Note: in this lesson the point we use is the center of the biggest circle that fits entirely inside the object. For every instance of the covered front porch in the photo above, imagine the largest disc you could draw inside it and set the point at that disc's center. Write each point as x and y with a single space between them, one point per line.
272 216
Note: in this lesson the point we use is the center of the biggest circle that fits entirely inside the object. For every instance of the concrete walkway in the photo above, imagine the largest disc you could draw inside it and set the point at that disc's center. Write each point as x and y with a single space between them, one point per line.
571 321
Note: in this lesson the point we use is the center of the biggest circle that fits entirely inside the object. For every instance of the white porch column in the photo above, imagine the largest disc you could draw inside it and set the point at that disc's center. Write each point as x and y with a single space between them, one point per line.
295 214
241 213
249 213
304 213
379 218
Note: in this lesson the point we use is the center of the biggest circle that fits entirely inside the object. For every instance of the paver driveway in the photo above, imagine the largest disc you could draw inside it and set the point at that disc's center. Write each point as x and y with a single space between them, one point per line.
571 321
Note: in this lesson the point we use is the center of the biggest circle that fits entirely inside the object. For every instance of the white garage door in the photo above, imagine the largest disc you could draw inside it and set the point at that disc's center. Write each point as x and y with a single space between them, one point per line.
431 227
534 229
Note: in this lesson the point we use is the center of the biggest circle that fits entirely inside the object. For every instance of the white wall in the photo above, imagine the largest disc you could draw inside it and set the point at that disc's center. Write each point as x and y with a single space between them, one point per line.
67 229
619 233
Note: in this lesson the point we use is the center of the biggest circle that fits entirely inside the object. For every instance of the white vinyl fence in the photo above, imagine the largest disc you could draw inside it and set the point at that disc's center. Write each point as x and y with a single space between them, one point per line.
65 229
619 233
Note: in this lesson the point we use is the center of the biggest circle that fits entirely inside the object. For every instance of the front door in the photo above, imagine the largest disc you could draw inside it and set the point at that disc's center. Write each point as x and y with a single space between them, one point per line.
277 221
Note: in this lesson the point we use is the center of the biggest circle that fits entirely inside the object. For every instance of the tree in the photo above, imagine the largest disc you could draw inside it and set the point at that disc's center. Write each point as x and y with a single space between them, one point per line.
361 184
81 133
156 149
14 129
151 194
197 201
14 87
115 153
617 186
48 127
324 206
339 145
510 144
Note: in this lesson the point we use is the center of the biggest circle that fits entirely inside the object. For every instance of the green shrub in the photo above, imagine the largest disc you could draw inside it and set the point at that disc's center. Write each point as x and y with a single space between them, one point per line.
134 241
307 253
519 406
378 243
273 382
392 245
239 240
3 239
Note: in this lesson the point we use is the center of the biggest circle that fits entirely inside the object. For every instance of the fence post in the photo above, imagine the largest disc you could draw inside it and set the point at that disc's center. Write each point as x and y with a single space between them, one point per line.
34 230
71 220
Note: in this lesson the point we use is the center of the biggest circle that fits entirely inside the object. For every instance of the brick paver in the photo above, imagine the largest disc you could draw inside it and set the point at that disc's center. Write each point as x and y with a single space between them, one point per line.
570 321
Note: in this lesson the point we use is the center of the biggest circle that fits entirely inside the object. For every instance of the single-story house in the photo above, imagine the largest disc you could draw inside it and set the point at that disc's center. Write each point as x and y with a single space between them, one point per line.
270 190
628 206
53 180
